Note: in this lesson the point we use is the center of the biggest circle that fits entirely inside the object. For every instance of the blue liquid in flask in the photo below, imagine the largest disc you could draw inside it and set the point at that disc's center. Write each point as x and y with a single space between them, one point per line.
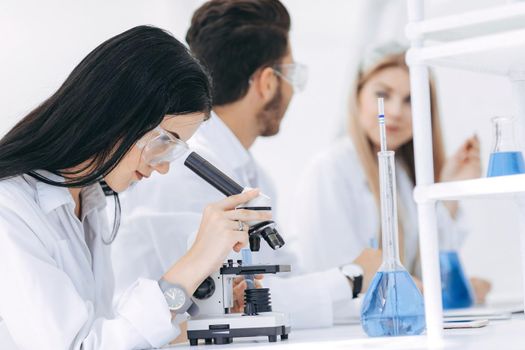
506 163
393 306
455 288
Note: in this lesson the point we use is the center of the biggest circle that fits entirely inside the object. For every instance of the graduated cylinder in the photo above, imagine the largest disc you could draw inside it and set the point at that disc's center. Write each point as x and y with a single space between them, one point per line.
393 305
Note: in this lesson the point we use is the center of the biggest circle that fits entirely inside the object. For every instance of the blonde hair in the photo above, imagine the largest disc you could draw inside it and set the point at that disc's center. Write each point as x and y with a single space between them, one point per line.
405 153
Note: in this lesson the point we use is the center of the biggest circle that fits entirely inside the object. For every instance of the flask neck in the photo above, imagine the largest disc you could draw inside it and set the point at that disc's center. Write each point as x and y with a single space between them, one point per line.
503 134
388 196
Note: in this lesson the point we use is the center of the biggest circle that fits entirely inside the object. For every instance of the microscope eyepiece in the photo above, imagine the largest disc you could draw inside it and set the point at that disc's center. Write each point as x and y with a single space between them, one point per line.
212 175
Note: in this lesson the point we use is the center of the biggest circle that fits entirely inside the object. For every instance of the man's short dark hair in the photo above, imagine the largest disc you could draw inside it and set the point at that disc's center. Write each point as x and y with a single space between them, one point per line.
234 38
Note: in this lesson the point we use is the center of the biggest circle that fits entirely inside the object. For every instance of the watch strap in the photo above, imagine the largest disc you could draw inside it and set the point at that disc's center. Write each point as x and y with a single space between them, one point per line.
357 286
193 310
354 273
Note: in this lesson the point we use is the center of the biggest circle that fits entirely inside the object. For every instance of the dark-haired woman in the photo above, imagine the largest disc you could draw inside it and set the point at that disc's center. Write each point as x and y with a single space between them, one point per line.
124 112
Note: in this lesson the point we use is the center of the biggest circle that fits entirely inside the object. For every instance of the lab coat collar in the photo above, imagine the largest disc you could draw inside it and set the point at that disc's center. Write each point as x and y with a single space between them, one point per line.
93 198
220 137
52 197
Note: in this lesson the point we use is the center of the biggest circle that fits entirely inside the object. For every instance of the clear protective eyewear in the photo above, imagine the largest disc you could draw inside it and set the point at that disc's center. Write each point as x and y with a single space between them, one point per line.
296 74
161 147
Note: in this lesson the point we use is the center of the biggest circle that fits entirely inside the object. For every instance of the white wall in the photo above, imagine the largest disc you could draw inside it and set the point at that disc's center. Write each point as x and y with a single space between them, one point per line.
43 40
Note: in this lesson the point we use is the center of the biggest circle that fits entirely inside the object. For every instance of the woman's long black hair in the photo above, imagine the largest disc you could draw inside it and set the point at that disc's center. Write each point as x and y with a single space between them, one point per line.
118 92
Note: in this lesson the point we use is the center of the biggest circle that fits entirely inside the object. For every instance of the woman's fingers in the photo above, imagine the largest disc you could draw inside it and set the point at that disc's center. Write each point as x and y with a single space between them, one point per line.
241 239
469 155
238 291
472 142
418 283
236 225
239 279
474 147
470 146
222 228
238 246
473 153
248 215
481 289
234 201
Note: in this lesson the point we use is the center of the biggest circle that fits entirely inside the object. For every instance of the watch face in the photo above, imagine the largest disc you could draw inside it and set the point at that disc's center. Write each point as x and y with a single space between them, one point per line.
352 270
175 298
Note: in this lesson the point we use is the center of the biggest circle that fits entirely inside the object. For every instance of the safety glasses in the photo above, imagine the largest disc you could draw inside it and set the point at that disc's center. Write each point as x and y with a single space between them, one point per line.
160 146
296 74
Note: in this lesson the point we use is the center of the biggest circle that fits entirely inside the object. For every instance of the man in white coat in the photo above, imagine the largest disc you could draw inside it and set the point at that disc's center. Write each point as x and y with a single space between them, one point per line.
245 46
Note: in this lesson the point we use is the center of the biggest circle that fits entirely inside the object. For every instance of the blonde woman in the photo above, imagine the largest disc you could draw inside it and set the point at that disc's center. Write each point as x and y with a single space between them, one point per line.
337 213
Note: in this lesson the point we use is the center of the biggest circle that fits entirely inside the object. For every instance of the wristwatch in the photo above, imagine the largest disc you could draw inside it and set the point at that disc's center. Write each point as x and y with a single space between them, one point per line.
178 300
354 273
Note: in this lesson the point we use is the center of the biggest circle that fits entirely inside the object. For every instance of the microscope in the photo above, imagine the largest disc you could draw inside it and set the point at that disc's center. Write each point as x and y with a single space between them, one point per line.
214 297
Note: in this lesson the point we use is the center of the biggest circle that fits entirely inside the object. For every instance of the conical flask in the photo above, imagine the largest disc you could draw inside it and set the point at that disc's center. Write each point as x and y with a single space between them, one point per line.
456 291
393 305
506 157
455 288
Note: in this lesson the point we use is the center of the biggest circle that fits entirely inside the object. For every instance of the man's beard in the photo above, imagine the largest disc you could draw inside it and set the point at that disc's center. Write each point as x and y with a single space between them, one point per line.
269 118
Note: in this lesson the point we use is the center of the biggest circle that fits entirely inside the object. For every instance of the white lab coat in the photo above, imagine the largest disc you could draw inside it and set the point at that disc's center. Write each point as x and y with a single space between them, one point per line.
56 278
165 212
336 214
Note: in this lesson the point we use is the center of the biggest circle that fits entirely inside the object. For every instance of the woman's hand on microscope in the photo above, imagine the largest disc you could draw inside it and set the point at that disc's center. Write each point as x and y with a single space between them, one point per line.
239 286
218 234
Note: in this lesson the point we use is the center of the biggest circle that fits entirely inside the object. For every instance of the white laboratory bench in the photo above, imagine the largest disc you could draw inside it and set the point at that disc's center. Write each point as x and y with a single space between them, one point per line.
500 335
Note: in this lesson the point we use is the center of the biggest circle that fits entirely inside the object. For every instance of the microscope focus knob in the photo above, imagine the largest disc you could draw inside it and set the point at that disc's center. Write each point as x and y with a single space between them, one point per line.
255 243
205 290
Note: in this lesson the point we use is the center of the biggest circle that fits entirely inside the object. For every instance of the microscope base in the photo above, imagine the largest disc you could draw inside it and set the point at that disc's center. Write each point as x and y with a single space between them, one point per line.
222 329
